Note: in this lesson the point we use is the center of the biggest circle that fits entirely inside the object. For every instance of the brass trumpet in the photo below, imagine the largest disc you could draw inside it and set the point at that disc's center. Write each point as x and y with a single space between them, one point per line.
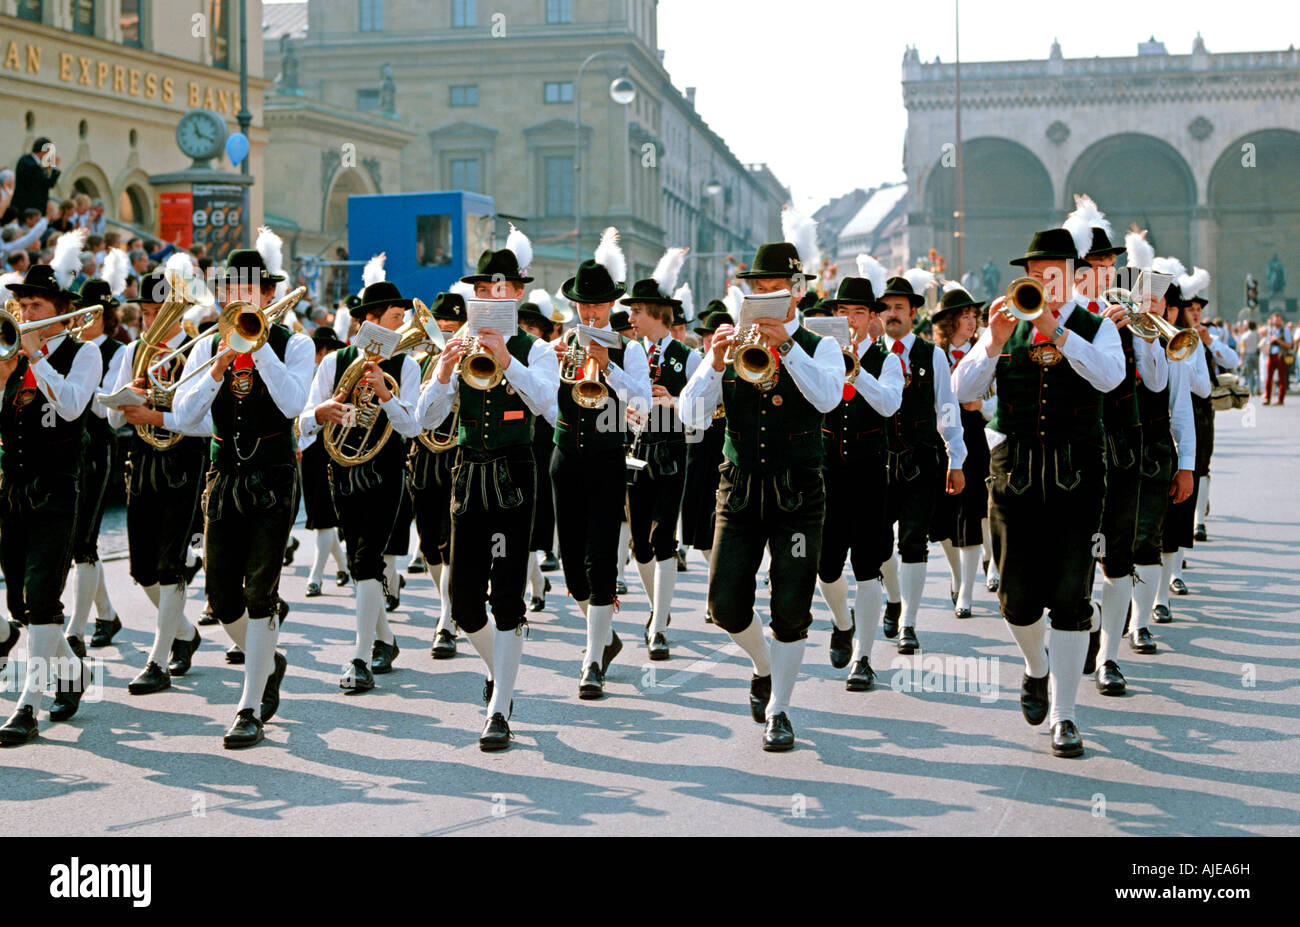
478 368
12 331
583 372
752 361
1025 299
1180 343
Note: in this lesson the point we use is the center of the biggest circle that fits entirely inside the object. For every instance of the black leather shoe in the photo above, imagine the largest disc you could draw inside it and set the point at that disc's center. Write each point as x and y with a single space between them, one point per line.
67 697
341 578
611 651
357 678
952 594
1110 681
779 735
549 563
235 656
893 611
538 602
841 646
281 611
1177 586
192 570
760 691
20 728
245 732
393 602
153 678
907 642
496 734
591 684
182 654
962 613
1033 699
15 632
991 583
659 647
416 565
1161 614
313 590
861 677
208 618
1200 533
382 656
1066 740
104 631
444 645
271 694
1141 641
708 616
290 550
77 645
1094 647
620 588
488 686
681 561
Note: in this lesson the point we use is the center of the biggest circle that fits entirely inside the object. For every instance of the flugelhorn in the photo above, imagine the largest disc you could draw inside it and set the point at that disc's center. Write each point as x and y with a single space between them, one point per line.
1025 299
12 331
752 361
582 371
1180 343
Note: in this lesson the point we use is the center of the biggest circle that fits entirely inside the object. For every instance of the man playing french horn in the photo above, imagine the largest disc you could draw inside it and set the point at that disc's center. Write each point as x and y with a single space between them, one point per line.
359 402
494 477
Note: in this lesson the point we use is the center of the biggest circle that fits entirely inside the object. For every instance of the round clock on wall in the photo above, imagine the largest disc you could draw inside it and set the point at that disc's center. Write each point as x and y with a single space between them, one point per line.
201 134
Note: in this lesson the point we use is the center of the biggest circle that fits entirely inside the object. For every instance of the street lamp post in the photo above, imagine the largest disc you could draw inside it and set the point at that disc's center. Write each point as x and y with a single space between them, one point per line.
244 117
621 91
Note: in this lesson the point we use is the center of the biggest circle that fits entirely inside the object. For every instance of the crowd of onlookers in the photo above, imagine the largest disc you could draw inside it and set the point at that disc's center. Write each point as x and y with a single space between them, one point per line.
1268 354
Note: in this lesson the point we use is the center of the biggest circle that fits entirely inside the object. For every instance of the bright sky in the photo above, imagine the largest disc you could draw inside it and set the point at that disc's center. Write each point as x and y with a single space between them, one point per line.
831 69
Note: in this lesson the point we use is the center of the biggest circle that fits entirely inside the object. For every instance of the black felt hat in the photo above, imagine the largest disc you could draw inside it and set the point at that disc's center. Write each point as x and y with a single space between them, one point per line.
501 264
450 307
954 300
901 286
822 307
96 292
1101 244
858 291
325 337
40 281
620 321
1052 245
647 291
532 313
593 284
153 288
377 297
715 314
247 263
776 259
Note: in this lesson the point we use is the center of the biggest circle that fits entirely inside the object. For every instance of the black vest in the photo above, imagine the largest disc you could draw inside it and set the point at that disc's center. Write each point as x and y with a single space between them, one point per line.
34 438
603 429
249 430
668 371
771 431
98 428
854 429
497 418
1202 407
915 424
1119 407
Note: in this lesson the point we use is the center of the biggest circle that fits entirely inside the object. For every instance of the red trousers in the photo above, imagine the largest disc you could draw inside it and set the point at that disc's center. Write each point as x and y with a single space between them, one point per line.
1275 365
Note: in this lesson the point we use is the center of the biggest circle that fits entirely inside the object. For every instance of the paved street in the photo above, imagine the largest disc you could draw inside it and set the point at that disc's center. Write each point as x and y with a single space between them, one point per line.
1207 742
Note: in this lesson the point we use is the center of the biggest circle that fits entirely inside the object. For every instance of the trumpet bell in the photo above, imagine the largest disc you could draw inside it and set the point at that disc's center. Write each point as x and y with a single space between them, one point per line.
589 392
1025 299
852 366
754 363
478 368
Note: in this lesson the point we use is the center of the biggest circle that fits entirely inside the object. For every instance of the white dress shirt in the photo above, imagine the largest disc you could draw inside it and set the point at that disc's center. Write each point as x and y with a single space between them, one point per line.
72 393
125 359
1198 373
287 381
1224 356
947 411
110 375
631 382
536 382
400 407
885 392
820 378
1181 374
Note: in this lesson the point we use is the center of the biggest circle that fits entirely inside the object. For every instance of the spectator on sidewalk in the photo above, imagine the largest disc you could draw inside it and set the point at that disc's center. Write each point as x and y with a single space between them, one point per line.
7 214
1248 347
1279 343
32 179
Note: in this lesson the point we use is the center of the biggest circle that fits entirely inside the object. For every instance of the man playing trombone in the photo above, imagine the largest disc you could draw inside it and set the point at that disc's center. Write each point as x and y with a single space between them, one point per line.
252 479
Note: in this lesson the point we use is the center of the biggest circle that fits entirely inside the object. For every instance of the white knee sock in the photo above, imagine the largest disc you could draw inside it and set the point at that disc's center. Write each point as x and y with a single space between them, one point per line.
86 578
103 607
483 642
889 575
390 574
647 573
383 631
836 594
369 603
444 598
665 580
987 534
237 631
970 563
508 650
786 660
536 578
1032 641
337 552
171 614
1116 594
325 540
954 564
1178 562
151 593
624 539
600 625
911 577
867 618
42 646
1145 593
1168 563
1202 500
1069 650
259 660
754 643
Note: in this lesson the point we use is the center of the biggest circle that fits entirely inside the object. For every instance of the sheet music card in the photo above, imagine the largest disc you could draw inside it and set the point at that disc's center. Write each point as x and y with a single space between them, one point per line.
835 326
376 340
763 306
587 334
500 315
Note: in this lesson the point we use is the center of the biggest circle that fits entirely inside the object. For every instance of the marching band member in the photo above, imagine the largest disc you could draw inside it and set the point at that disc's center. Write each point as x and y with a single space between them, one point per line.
654 496
313 467
770 494
164 469
916 472
853 438
492 499
367 495
588 469
535 318
48 384
1047 475
252 483
429 480
621 322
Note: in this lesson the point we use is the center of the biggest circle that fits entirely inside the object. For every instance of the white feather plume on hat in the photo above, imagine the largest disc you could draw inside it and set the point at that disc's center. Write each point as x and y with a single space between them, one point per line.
271 247
1195 283
1081 222
1169 265
374 271
954 286
610 256
6 281
517 243
920 279
667 270
1138 252
115 269
874 271
563 313
67 256
464 290
683 295
735 296
801 231
542 299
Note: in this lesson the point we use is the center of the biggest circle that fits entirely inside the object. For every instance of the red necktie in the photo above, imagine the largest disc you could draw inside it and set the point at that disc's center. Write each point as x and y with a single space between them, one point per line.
243 362
29 378
898 349
1039 337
